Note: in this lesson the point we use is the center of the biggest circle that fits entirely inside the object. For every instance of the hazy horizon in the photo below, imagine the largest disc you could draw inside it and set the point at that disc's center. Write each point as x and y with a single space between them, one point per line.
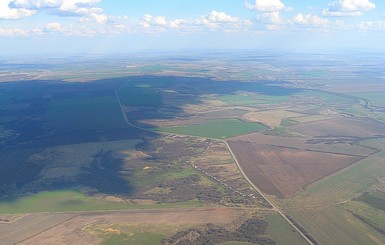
97 26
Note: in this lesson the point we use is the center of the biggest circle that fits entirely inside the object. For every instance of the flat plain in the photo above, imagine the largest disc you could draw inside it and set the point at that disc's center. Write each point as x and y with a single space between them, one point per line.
92 156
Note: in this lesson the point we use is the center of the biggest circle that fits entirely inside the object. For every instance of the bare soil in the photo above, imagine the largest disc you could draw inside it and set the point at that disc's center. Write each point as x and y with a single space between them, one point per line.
282 171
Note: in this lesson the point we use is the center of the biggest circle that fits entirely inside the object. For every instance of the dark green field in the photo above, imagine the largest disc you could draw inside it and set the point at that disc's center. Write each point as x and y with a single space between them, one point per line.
217 130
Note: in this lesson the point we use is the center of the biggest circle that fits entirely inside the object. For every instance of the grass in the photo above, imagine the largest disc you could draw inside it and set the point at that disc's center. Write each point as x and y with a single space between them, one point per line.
221 130
344 184
147 178
71 200
85 113
282 232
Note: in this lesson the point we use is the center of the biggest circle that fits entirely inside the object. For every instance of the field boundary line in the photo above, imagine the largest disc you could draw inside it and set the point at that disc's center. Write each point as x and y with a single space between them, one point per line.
274 207
47 229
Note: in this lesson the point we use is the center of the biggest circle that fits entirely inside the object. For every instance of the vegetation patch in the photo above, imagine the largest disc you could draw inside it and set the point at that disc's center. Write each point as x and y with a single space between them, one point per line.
377 98
282 232
252 230
214 130
376 199
54 201
84 113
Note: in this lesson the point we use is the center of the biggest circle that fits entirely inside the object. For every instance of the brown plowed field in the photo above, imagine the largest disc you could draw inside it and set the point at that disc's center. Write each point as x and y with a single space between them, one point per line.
282 171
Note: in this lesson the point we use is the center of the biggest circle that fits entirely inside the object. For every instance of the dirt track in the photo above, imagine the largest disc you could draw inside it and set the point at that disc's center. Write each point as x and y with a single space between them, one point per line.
67 228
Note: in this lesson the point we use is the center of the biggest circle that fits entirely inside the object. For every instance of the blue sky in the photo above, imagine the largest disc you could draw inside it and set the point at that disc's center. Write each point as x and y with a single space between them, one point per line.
57 26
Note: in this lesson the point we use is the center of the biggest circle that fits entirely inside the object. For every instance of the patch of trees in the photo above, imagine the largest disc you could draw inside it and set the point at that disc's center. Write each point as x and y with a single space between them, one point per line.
103 174
252 230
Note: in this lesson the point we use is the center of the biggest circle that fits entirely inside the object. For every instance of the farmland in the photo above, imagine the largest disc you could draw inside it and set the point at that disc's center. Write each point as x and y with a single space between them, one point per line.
342 227
146 152
218 129
272 168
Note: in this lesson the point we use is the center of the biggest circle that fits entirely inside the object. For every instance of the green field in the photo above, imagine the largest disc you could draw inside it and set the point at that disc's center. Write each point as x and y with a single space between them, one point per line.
85 113
71 200
376 199
282 232
215 130
143 178
344 184
368 212
333 225
377 98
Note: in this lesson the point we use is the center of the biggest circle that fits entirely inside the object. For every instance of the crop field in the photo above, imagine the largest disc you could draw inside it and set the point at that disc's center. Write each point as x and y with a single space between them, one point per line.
344 184
328 144
272 118
333 225
284 172
378 143
377 98
66 148
217 129
374 217
376 199
281 232
342 126
103 226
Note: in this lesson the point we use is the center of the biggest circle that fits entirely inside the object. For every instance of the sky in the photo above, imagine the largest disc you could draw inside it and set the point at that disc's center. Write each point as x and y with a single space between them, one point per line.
113 26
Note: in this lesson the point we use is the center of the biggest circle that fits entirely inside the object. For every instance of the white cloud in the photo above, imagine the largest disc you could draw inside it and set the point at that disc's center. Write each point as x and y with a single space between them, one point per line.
216 16
12 14
348 8
35 4
220 20
54 27
57 7
12 32
309 20
149 21
378 25
266 5
271 18
215 20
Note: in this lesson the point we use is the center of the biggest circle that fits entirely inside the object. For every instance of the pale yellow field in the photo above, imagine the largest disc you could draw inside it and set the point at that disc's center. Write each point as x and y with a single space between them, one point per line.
270 118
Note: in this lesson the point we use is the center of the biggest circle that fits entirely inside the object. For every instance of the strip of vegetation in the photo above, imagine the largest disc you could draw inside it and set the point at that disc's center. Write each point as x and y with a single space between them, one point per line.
216 131
252 230
303 230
